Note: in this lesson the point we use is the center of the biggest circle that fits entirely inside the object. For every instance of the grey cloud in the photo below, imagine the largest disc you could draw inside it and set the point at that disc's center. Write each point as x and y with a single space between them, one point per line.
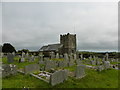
31 25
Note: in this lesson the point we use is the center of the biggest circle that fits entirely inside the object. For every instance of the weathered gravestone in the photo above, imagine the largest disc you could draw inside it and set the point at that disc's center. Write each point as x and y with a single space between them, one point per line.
41 56
106 56
80 71
106 64
31 68
8 69
31 59
98 62
52 54
23 54
100 68
22 59
78 62
50 64
42 65
81 56
66 56
61 56
10 58
57 55
93 62
58 77
75 56
27 55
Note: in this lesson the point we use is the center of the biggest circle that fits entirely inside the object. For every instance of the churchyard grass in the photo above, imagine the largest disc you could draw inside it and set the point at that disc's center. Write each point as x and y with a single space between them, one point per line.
20 65
93 79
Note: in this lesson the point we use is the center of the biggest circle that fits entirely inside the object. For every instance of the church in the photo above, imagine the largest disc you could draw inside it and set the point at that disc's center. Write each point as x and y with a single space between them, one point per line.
67 45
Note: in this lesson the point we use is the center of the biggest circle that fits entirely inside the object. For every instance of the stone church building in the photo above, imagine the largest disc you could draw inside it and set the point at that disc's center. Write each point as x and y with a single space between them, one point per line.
67 45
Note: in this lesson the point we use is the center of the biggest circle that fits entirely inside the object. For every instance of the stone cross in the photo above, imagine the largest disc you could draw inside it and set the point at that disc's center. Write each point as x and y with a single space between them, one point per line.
41 56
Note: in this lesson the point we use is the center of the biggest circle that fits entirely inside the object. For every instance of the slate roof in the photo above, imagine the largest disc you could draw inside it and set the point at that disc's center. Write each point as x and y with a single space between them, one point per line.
51 47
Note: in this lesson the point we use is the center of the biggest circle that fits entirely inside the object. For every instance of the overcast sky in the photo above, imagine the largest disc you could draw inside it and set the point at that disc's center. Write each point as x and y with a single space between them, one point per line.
32 25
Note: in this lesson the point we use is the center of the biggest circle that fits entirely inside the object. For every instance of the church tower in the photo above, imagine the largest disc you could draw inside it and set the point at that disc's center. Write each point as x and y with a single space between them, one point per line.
69 43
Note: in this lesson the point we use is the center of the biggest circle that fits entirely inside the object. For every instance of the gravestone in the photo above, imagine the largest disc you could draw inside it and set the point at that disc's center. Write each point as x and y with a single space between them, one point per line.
10 58
23 54
61 64
58 77
52 54
93 62
106 57
27 55
13 54
61 56
31 68
70 63
97 62
22 59
81 56
80 71
50 64
8 69
57 55
41 56
106 64
32 58
78 62
75 56
66 56
100 68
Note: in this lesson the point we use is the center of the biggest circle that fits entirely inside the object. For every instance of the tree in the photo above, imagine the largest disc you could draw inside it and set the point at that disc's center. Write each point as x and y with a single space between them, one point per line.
7 47
23 50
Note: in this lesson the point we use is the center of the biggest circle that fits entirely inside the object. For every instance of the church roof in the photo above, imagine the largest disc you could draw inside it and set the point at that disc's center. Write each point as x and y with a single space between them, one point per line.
51 47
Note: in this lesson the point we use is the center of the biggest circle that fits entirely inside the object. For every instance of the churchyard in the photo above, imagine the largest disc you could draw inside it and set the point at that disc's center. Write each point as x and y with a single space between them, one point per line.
58 71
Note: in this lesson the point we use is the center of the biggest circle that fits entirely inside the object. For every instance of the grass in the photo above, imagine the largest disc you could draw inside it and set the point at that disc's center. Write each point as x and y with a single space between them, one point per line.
93 79
20 65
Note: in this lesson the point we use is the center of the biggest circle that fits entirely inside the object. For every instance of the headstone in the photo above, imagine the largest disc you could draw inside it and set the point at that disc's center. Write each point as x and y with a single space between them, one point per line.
52 54
61 56
97 62
100 68
75 56
81 56
10 58
23 54
93 62
106 64
31 68
80 71
57 55
27 55
13 54
106 56
8 69
50 64
78 62
22 59
32 58
58 77
66 56
41 56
